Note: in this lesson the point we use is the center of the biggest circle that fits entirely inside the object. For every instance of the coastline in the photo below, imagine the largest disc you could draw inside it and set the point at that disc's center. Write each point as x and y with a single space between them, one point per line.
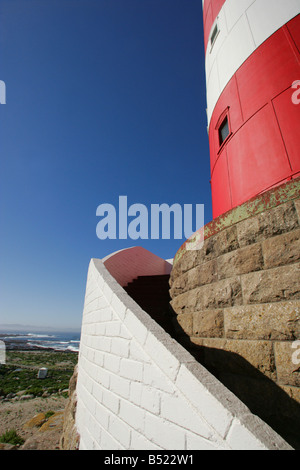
16 341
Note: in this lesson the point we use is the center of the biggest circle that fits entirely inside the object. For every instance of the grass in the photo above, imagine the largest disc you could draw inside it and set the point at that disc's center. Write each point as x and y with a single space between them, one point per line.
20 372
49 414
11 437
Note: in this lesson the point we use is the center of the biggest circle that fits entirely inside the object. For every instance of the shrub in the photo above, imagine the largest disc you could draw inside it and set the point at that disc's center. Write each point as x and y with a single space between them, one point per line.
11 437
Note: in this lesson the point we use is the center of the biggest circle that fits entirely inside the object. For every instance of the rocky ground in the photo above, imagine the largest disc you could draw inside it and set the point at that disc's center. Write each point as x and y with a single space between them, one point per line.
28 419
34 408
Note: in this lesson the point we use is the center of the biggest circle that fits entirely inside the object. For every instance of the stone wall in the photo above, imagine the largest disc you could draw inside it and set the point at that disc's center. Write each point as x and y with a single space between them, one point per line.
137 388
237 301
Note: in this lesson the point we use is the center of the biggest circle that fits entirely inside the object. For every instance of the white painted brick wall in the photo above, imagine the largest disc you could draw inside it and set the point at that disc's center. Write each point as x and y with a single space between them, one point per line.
138 389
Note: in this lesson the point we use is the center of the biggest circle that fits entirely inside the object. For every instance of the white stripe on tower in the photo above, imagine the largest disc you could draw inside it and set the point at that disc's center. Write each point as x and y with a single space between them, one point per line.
242 26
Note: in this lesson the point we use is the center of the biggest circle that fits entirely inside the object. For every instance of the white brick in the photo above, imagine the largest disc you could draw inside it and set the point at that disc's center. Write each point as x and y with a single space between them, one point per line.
178 410
110 401
240 438
153 376
120 347
113 328
91 295
119 430
103 377
94 429
132 415
139 442
159 352
98 393
98 358
105 314
101 343
107 292
194 442
118 306
205 403
137 354
124 333
136 392
131 369
91 307
163 433
150 399
108 442
86 442
102 416
120 386
112 362
102 303
135 326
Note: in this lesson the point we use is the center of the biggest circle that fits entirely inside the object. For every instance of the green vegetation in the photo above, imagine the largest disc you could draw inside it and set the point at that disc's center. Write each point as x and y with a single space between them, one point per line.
11 437
49 414
21 368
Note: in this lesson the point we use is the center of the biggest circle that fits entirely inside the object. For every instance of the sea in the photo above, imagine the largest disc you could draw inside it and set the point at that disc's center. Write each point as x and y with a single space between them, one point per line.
56 341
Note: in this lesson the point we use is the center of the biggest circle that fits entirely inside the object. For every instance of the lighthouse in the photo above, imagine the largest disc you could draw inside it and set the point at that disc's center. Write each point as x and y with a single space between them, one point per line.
252 62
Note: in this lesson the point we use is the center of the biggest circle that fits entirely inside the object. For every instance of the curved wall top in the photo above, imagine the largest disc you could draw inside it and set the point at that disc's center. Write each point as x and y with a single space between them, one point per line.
137 388
126 265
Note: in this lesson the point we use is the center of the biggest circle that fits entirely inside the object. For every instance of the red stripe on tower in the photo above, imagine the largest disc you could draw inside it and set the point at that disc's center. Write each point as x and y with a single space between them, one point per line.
252 61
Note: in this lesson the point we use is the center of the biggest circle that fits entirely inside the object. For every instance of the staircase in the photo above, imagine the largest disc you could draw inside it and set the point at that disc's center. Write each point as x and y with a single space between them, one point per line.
151 293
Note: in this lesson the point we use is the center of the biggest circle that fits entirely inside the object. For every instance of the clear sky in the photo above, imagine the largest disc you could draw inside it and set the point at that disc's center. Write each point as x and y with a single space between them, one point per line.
103 98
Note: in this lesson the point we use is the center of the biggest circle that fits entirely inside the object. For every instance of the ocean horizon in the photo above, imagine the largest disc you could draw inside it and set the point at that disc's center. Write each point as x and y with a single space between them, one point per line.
41 339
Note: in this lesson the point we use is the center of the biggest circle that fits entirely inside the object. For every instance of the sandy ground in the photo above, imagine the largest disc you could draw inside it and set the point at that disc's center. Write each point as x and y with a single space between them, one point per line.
13 415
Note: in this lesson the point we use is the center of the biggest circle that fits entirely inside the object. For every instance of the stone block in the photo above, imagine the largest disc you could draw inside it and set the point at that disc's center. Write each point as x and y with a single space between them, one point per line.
238 356
224 293
241 261
272 321
223 242
202 274
297 206
288 371
273 285
185 321
279 220
187 261
208 323
282 249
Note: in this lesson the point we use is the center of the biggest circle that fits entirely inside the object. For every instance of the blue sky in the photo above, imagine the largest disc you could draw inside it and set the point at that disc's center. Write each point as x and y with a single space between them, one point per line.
103 98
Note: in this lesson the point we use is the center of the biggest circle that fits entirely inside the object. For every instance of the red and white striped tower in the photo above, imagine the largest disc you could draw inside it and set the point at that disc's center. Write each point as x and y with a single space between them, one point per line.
252 60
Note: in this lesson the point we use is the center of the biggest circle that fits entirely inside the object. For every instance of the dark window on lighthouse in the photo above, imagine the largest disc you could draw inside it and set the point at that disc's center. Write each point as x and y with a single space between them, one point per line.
223 131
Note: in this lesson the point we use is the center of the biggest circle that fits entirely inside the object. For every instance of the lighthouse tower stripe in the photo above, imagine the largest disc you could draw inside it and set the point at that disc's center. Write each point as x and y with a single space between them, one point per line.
242 26
252 60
